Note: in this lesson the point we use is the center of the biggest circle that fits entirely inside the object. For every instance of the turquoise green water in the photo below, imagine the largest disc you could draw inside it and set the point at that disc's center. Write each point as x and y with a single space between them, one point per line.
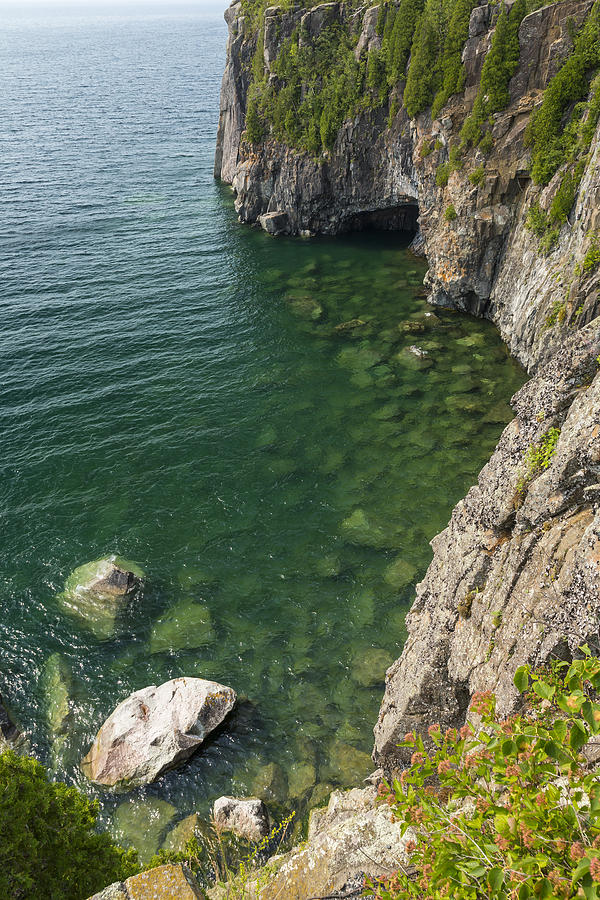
176 389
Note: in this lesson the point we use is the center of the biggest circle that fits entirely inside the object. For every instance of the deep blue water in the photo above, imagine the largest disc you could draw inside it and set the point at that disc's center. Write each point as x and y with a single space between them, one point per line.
172 388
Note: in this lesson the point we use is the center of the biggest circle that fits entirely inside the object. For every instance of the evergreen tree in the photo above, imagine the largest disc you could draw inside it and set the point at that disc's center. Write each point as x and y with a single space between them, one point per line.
49 846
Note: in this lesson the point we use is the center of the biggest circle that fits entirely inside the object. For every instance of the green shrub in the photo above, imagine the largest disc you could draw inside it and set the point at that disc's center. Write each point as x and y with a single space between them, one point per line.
500 65
453 73
477 176
442 174
486 143
423 79
563 200
49 846
398 39
450 214
425 150
551 141
454 158
255 130
508 811
539 456
592 258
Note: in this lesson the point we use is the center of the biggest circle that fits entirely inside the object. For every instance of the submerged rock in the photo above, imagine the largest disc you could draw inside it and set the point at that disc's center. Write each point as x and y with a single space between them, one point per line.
154 729
348 765
162 883
98 592
301 779
141 823
183 832
270 783
350 326
400 573
370 665
247 818
183 627
57 681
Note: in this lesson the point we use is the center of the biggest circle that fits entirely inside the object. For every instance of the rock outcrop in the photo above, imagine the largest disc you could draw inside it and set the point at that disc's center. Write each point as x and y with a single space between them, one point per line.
248 818
98 593
154 729
352 837
162 883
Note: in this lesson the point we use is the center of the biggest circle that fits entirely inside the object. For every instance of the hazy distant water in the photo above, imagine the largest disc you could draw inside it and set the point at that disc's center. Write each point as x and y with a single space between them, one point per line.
172 389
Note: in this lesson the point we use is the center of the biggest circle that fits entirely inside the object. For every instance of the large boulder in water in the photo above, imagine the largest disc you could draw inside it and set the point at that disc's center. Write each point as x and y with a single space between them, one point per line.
154 729
98 593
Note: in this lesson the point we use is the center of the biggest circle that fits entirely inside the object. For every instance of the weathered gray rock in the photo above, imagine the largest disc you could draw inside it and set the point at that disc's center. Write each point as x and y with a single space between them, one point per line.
154 729
98 593
275 223
163 883
248 818
352 837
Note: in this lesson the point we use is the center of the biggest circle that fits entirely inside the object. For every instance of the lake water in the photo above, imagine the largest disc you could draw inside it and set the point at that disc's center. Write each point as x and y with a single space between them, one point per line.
174 388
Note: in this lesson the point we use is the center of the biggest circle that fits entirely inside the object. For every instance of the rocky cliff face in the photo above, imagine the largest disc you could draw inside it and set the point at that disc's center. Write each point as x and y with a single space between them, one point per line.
515 576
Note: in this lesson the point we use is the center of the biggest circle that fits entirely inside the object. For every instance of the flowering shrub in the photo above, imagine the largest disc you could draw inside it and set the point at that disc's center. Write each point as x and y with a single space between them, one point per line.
509 811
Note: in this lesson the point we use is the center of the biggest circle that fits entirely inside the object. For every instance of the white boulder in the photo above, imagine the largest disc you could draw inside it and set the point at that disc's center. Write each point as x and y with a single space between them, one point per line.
247 818
154 729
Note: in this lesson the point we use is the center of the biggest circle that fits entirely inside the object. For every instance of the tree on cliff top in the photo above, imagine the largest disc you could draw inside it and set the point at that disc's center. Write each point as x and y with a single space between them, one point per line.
49 846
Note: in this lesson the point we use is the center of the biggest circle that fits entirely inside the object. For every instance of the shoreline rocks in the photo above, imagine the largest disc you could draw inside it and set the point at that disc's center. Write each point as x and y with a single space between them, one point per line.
154 729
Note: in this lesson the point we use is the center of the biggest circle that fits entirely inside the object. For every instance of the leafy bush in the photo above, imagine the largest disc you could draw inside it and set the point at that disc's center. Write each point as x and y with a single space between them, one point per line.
477 176
425 150
510 811
539 457
450 214
442 174
592 258
49 846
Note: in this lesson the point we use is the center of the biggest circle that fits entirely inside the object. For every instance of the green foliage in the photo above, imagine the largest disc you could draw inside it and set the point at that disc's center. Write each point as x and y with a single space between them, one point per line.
500 65
424 76
426 149
226 858
563 200
319 85
450 214
442 174
540 224
591 259
477 176
398 36
255 129
539 456
453 73
49 846
557 315
507 812
486 143
553 142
